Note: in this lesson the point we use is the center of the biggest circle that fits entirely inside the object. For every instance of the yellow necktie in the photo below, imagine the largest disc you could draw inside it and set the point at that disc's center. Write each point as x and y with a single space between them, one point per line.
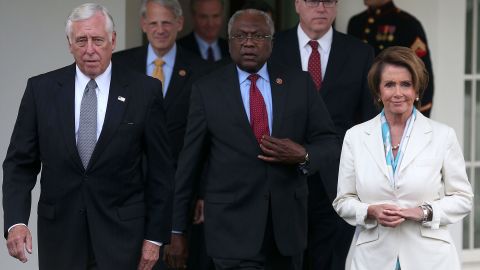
158 70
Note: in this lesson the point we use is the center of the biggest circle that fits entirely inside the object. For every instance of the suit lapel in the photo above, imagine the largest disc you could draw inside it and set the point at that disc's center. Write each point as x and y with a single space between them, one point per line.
234 99
419 139
279 98
338 56
374 144
114 113
180 74
65 102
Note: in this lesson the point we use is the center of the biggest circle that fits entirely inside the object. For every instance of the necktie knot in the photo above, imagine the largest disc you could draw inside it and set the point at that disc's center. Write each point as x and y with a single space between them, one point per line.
313 44
159 62
91 85
253 77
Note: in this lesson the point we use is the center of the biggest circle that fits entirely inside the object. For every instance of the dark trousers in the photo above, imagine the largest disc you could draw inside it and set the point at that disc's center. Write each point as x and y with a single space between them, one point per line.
269 257
198 258
329 236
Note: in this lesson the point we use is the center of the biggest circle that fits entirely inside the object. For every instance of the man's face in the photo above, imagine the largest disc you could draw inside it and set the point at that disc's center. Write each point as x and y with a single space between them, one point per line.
250 54
161 27
207 19
315 21
91 46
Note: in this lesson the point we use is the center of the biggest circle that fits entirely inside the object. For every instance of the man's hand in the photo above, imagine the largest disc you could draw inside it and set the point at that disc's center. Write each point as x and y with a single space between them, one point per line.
198 217
386 214
177 253
281 150
150 255
19 239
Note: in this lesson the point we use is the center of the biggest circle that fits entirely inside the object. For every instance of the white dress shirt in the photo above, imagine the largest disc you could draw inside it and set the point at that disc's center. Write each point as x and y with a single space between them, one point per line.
203 47
325 45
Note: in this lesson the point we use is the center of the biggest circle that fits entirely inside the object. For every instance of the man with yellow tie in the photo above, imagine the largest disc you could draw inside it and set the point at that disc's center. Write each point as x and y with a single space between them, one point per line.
161 58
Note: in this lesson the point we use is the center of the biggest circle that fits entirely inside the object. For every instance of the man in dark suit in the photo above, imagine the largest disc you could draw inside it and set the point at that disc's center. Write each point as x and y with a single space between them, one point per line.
181 69
87 127
204 40
339 65
260 128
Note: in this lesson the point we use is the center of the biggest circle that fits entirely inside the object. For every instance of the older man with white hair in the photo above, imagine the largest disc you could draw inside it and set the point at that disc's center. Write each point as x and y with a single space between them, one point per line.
88 127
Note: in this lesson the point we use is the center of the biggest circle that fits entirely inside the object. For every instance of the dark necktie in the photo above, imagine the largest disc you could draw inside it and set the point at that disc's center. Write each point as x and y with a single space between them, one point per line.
87 127
210 56
314 64
258 110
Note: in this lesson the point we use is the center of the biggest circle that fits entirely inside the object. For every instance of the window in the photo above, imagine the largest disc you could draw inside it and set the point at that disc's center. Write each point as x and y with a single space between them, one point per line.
471 224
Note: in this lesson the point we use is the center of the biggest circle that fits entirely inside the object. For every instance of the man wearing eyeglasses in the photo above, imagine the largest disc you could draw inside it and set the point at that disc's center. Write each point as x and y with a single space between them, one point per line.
338 65
260 128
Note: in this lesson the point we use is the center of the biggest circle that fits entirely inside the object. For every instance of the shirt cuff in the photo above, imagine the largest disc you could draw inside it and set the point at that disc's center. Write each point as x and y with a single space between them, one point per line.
155 242
18 224
177 232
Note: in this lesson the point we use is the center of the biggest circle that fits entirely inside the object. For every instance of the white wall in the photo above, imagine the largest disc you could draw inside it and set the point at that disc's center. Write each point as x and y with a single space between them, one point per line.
33 42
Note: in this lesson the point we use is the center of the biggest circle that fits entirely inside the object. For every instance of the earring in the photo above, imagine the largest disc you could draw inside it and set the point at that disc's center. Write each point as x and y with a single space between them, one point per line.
417 99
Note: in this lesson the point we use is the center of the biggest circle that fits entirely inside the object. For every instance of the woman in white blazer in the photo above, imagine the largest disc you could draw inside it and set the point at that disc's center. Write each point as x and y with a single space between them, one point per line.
402 176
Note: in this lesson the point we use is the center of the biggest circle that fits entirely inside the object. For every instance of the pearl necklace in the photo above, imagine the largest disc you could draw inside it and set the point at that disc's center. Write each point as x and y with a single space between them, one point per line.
395 147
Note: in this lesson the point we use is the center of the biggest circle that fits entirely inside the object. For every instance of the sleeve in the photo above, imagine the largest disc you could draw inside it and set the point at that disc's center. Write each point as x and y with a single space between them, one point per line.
160 173
347 204
457 202
22 163
191 161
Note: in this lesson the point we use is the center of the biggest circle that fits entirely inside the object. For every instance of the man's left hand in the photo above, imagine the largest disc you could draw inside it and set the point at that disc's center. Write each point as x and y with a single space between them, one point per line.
281 150
150 255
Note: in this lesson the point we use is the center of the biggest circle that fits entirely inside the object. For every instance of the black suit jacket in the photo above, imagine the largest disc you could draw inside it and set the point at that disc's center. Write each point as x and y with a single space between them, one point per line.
111 200
190 43
239 186
344 86
187 68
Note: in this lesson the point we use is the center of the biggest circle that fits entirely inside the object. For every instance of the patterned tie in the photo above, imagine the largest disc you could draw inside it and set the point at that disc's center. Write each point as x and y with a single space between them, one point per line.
258 110
87 127
210 56
158 70
314 65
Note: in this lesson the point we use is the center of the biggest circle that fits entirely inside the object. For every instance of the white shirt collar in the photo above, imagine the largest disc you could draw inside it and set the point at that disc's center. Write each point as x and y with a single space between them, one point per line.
325 41
168 58
102 80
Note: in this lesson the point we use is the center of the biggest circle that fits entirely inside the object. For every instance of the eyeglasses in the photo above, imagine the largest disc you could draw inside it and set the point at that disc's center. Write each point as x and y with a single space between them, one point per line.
255 37
326 3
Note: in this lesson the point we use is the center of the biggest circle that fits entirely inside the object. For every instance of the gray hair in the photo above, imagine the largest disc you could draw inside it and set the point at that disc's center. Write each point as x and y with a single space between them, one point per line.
237 14
172 5
85 12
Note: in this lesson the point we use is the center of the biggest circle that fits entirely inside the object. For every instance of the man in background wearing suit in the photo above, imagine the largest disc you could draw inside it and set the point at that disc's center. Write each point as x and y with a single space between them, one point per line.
87 127
338 65
176 67
162 20
204 40
260 128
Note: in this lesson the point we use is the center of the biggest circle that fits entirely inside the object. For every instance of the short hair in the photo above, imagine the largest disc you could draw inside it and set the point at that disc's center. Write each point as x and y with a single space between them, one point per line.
237 14
85 12
401 57
194 2
172 5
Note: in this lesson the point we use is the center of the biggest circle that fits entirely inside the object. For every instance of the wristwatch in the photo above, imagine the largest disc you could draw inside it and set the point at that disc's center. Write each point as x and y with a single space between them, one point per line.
427 212
304 166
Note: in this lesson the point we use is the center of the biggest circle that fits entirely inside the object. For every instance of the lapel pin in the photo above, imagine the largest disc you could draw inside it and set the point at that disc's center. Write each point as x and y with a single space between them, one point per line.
182 72
279 81
122 99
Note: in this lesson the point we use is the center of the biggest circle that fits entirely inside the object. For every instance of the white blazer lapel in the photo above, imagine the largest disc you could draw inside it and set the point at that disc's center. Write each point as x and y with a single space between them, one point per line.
374 144
419 139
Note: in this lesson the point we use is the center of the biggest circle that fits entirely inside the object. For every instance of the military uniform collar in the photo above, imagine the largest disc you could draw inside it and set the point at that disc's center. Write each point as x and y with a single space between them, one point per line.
382 10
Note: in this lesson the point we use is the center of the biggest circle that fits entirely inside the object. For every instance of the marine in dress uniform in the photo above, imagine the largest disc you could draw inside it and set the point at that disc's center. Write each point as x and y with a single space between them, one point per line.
386 25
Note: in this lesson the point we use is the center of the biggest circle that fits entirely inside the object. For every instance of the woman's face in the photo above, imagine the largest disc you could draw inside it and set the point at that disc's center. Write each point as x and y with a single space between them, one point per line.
396 91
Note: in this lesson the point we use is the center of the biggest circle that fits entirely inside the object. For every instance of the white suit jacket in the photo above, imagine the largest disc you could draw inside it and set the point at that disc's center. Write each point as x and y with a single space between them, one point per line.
432 171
